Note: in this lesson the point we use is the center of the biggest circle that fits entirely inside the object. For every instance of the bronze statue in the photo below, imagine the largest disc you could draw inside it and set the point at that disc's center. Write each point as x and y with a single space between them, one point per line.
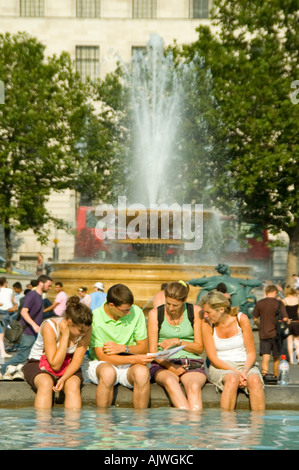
238 289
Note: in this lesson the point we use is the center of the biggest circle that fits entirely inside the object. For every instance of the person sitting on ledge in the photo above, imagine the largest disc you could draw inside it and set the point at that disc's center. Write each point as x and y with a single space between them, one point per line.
56 356
177 323
118 349
229 345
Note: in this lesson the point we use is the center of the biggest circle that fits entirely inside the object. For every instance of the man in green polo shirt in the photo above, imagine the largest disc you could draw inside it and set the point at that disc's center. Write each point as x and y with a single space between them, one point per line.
118 348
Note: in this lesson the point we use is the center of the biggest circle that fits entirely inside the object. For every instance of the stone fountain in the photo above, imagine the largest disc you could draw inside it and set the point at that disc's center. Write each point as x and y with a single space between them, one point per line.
150 253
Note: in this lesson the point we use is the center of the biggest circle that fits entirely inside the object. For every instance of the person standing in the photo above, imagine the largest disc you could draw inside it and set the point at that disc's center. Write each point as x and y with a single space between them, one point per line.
84 296
39 264
296 282
31 319
18 292
8 304
264 317
59 305
98 297
118 349
291 303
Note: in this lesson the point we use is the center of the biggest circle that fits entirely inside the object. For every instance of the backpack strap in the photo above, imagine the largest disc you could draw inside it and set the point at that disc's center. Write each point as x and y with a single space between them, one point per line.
190 312
278 313
160 315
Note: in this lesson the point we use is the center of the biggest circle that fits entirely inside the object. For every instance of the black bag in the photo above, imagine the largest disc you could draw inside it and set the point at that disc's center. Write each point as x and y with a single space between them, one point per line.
14 331
270 379
282 328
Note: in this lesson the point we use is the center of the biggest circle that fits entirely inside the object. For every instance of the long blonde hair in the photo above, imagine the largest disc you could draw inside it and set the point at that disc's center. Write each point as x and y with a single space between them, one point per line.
216 300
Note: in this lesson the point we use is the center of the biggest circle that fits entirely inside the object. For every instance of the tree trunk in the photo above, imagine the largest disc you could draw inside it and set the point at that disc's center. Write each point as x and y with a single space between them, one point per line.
293 254
7 237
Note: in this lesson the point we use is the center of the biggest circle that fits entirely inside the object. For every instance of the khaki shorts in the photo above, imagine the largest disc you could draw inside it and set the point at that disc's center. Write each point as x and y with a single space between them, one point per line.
216 375
89 372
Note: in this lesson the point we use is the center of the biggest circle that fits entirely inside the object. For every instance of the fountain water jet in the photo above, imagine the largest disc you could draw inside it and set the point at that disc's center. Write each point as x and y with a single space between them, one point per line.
156 90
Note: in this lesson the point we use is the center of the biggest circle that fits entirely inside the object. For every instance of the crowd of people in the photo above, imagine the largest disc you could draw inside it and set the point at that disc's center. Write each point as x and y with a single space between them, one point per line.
106 339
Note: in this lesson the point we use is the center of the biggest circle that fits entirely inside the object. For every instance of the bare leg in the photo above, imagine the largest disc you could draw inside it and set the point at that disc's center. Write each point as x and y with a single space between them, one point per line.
290 339
256 392
104 393
2 348
44 396
193 383
229 393
138 376
171 383
72 393
275 365
265 363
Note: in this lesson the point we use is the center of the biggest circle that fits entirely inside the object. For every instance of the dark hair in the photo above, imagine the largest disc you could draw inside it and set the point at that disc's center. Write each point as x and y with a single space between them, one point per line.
59 283
82 289
177 290
34 282
2 281
221 287
120 294
18 285
79 313
43 278
163 285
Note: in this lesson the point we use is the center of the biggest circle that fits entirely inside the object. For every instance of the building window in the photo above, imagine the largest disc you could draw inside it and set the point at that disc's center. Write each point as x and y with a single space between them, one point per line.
88 8
199 8
144 8
139 51
87 62
32 7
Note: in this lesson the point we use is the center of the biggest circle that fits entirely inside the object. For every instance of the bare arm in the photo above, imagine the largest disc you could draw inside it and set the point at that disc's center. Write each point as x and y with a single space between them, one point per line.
111 351
76 361
55 355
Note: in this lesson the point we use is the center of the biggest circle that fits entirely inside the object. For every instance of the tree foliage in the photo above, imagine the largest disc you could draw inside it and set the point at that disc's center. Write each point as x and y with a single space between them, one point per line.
252 51
47 129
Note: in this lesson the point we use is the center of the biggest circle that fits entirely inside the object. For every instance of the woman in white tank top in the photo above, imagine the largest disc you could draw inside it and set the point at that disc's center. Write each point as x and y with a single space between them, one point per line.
57 354
229 345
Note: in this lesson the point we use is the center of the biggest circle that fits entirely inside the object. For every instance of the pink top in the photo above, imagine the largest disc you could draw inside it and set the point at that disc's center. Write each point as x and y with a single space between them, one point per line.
61 298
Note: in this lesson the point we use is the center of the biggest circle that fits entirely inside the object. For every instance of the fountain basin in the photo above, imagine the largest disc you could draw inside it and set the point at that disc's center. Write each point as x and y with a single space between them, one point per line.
144 280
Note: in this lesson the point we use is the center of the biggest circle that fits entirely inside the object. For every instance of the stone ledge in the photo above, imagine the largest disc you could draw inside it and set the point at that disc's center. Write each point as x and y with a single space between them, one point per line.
20 394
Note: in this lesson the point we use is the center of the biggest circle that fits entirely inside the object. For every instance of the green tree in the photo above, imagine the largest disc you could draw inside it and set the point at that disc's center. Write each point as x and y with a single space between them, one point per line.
45 117
252 51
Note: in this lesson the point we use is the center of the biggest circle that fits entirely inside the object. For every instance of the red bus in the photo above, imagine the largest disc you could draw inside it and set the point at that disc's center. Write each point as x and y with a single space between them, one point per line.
240 243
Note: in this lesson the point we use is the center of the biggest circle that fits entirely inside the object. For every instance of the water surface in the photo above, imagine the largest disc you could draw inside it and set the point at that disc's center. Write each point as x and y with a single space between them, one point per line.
152 429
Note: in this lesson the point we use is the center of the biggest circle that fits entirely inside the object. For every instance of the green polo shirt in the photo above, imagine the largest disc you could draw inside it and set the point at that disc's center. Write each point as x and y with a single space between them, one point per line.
127 330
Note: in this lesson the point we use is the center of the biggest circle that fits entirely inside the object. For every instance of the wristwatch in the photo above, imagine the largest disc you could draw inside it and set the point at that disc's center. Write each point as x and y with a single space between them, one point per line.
127 350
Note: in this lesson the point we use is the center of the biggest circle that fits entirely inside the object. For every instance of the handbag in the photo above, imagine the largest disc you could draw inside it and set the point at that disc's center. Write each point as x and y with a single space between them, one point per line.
14 331
282 328
44 365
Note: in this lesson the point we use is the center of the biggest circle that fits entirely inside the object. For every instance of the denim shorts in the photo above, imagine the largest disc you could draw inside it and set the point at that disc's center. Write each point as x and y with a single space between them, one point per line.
193 365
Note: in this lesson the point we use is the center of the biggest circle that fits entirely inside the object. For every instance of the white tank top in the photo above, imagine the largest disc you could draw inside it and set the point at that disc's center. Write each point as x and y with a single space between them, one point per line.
38 348
231 349
6 295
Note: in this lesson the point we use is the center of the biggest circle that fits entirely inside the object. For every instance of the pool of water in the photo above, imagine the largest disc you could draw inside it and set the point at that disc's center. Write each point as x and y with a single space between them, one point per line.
152 429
